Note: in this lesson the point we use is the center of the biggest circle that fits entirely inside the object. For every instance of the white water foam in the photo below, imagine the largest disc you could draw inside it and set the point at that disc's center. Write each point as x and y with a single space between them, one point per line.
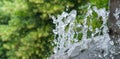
67 43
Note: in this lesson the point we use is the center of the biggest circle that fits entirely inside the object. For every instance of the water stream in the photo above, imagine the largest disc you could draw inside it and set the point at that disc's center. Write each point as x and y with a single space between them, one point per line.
66 37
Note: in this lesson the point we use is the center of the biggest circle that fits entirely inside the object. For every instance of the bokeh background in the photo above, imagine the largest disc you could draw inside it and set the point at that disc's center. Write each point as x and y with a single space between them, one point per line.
26 25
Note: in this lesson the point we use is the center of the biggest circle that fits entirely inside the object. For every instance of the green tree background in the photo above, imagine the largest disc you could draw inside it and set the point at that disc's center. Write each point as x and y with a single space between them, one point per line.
26 26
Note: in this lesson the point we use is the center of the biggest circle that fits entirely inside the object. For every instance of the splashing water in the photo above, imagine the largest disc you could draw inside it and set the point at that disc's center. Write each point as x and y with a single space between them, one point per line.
66 37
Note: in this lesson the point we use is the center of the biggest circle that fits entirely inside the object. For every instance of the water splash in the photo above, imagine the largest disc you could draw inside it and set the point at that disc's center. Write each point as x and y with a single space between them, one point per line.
64 31
66 37
117 12
116 15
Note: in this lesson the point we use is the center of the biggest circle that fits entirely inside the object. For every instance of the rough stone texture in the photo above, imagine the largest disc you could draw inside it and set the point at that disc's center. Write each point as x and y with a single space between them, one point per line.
114 29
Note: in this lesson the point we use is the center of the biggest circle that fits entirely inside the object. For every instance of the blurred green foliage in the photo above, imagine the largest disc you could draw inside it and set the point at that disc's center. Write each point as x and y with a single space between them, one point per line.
26 26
